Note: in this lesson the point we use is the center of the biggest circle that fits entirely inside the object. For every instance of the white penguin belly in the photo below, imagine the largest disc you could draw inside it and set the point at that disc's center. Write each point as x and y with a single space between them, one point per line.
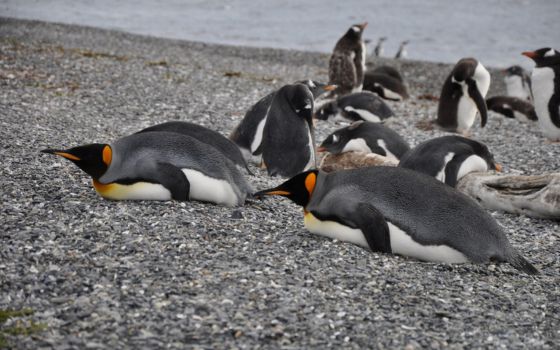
208 189
514 87
311 163
466 111
472 164
543 88
390 94
136 191
358 145
257 139
364 114
441 174
401 243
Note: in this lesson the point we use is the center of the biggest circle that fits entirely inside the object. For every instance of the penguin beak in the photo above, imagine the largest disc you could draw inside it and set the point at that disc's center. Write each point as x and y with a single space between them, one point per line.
271 192
498 167
62 154
363 26
329 87
530 54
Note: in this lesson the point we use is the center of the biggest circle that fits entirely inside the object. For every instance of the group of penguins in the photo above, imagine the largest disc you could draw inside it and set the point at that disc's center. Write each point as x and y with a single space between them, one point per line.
404 210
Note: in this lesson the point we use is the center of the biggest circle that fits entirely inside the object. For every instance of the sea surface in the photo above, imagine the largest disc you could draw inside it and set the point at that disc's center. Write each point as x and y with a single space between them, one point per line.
494 31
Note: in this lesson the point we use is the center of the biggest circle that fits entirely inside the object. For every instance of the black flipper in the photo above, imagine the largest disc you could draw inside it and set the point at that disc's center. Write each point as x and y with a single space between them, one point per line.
374 226
554 109
505 111
171 178
520 263
478 100
452 169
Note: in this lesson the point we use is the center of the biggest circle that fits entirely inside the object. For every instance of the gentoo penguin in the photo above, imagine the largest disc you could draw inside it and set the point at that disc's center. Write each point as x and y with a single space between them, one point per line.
357 106
248 133
402 53
348 61
462 95
387 70
159 165
512 107
203 134
385 85
546 90
288 144
449 158
518 83
378 50
365 137
399 211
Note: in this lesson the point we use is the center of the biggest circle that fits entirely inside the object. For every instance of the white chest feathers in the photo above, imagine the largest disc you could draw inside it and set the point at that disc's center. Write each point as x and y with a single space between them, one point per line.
466 109
471 164
516 88
208 189
543 89
363 114
401 242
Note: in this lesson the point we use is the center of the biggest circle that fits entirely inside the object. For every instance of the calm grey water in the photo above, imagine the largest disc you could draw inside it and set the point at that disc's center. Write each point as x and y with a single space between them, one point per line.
494 31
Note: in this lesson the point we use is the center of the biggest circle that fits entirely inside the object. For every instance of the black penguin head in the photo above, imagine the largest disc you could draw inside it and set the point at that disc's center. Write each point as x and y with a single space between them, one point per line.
299 188
483 152
300 99
514 70
355 32
464 69
317 88
326 110
94 159
335 142
544 57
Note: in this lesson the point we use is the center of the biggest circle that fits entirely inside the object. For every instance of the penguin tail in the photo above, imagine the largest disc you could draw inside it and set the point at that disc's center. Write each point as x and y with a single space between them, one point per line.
520 263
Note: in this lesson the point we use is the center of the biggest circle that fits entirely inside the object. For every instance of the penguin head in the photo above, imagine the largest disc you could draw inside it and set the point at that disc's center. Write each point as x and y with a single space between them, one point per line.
514 70
317 88
94 158
335 142
464 69
355 32
482 151
299 188
544 57
300 99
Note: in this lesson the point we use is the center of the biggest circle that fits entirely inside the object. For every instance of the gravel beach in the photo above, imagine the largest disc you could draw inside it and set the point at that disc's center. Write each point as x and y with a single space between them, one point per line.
114 275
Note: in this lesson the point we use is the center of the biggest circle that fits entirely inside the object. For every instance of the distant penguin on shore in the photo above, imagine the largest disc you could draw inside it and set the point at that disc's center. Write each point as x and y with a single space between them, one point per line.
462 96
378 50
518 83
248 133
363 105
402 53
347 64
365 137
386 82
160 165
512 107
545 80
288 143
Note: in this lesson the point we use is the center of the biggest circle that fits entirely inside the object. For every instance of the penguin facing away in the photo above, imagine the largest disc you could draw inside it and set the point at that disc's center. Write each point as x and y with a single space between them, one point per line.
159 165
375 208
512 107
357 106
348 61
205 135
248 133
518 83
386 86
365 137
462 96
288 145
546 90
449 158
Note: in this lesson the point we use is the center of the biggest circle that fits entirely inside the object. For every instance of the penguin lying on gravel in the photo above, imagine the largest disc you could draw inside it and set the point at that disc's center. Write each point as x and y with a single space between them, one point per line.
348 61
365 137
386 85
512 107
399 211
248 134
288 142
462 96
449 158
357 106
159 165
202 134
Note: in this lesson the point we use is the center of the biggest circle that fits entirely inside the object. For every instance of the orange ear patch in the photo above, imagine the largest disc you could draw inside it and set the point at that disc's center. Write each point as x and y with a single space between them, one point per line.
67 155
310 181
107 155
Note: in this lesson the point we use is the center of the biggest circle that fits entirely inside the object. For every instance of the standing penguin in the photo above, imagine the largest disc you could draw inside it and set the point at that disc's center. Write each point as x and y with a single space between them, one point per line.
462 95
249 132
518 83
288 144
402 53
348 61
512 107
365 137
378 50
159 165
449 158
546 90
399 211
357 106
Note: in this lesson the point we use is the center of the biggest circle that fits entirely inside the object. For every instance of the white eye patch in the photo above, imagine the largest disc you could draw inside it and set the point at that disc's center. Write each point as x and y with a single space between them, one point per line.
356 29
549 53
310 83
307 106
334 139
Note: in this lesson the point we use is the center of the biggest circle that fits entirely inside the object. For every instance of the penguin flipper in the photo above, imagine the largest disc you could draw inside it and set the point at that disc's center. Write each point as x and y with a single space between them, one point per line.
474 93
507 112
452 169
171 177
554 109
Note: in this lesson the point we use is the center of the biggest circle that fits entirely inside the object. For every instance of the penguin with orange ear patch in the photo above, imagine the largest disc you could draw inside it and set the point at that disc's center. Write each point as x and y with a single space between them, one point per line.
399 211
159 166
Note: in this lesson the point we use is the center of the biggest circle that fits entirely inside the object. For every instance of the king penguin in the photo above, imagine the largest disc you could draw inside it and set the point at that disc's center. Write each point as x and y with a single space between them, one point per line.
205 135
375 208
249 132
159 165
449 158
348 61
462 95
365 137
288 143
363 105
518 83
546 90
512 107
